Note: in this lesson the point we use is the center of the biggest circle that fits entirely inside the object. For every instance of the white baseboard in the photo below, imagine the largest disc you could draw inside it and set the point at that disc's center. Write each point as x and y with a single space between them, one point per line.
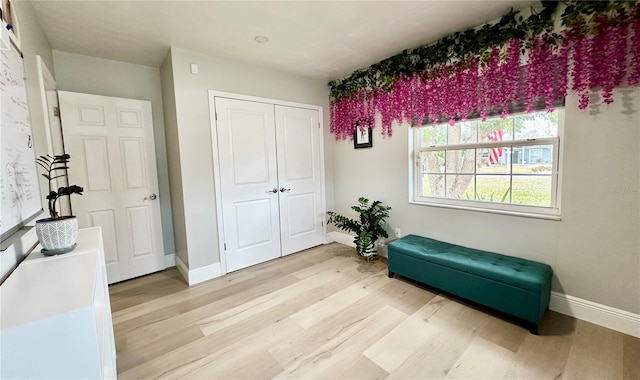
184 271
203 274
346 239
169 261
342 238
196 276
606 316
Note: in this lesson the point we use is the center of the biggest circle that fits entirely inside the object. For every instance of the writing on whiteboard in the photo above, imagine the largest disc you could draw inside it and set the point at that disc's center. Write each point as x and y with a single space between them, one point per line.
18 173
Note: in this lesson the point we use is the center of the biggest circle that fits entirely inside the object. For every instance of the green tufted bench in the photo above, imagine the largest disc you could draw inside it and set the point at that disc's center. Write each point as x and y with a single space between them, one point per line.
517 287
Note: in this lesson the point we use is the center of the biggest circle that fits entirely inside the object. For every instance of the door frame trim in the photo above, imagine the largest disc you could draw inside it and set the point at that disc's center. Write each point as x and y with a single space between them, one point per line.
213 94
46 82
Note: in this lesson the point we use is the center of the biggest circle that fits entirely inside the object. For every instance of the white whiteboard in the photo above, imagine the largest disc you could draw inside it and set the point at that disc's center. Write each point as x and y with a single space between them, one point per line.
18 173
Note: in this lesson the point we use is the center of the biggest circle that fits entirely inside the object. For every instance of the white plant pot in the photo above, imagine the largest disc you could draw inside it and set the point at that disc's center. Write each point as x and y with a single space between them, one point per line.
373 251
57 235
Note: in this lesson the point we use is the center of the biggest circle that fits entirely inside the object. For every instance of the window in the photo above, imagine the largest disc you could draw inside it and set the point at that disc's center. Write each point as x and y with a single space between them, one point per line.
502 165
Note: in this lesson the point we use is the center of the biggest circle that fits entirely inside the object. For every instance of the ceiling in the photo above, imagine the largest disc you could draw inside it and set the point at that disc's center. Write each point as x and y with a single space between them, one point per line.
317 39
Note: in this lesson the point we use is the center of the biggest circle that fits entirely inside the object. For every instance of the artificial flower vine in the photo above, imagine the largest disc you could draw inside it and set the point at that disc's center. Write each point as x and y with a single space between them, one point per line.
479 70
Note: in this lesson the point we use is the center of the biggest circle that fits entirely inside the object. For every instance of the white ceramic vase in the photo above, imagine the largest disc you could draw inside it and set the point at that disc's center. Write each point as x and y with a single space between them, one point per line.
373 251
57 234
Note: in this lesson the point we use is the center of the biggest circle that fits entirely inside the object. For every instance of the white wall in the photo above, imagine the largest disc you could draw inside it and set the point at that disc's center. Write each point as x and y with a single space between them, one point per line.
194 134
594 250
89 75
598 243
173 158
33 42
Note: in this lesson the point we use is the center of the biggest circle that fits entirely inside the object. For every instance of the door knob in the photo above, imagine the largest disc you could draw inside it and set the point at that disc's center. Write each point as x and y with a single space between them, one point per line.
151 197
274 190
283 190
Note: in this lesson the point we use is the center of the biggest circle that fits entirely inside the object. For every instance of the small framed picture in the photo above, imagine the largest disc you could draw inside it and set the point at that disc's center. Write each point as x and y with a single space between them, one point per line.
362 137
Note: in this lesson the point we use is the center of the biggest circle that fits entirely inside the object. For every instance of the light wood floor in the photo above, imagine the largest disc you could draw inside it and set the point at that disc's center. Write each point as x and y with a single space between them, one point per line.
324 313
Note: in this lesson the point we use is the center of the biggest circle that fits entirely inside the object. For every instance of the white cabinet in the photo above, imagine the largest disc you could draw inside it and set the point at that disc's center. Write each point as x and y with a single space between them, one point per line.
55 316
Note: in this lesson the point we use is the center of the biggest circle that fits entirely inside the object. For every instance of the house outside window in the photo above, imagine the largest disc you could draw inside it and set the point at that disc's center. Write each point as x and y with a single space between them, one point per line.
506 165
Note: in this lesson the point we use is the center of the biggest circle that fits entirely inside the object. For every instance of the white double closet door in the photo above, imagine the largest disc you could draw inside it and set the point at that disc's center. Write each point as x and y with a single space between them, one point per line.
270 179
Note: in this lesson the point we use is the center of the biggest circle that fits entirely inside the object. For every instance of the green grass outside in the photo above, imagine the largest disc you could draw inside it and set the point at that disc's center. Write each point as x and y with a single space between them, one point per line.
527 190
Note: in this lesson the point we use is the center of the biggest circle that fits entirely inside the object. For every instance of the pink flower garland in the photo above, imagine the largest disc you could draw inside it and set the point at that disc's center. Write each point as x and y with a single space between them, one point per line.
541 69
579 62
563 69
494 84
383 105
490 96
510 72
634 64
471 87
617 50
401 98
419 89
457 81
467 85
608 58
433 100
548 72
447 96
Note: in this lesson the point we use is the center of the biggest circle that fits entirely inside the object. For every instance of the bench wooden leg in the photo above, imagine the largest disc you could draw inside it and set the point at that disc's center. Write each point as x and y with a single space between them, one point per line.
391 274
533 329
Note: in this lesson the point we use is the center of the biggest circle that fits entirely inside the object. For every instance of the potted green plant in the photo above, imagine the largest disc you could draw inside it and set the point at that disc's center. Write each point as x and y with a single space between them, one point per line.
57 234
369 227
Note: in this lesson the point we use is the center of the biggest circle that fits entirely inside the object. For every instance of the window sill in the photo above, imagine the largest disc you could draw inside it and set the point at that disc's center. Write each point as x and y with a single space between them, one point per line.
556 217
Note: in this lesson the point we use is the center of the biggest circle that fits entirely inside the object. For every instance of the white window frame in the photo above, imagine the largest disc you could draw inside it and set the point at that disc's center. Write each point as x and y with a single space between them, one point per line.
552 212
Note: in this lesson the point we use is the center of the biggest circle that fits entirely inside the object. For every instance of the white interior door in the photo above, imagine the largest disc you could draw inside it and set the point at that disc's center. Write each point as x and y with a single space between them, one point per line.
249 183
111 144
299 178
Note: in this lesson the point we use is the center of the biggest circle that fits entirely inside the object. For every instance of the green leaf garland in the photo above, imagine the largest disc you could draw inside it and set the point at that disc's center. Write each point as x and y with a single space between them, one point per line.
478 43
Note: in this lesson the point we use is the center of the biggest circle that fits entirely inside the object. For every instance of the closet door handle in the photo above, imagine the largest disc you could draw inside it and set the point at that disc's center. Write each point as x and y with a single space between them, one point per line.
283 190
274 190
